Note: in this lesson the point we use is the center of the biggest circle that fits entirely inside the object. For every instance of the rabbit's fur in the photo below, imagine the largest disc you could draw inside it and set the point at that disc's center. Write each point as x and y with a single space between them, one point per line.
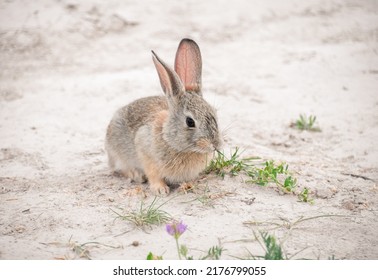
153 138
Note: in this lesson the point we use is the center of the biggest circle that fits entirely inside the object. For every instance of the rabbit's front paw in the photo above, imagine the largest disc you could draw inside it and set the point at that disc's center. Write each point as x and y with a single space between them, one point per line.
159 188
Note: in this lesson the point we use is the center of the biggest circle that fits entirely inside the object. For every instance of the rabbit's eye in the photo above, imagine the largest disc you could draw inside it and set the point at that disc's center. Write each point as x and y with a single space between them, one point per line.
190 122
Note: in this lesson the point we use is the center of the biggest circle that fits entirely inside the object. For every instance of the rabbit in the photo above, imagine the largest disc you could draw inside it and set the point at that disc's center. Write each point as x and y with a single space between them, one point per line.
166 139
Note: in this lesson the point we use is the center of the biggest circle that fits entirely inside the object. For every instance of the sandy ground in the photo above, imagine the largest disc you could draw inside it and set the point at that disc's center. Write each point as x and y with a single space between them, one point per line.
66 66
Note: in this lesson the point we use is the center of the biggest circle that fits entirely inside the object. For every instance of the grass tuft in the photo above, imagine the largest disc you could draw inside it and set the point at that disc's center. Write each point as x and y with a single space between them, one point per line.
222 165
146 215
273 250
306 123
304 196
214 253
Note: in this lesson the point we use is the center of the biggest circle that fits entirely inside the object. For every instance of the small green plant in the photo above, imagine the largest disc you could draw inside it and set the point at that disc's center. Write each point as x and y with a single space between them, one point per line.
214 253
149 215
306 123
304 196
152 257
273 250
270 172
184 253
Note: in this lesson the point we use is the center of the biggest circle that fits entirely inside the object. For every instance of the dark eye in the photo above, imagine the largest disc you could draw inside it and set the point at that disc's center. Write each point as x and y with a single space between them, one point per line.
190 122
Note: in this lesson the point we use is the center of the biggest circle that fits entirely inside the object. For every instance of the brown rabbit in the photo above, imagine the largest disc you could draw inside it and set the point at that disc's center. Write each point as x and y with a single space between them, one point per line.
166 139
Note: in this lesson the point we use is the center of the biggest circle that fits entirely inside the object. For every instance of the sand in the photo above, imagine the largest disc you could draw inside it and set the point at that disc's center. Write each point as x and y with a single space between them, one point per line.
67 66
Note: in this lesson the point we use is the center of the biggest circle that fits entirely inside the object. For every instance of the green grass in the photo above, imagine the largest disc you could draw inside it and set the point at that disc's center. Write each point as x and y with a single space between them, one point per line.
304 196
222 165
273 173
151 214
259 172
152 257
273 250
306 123
214 253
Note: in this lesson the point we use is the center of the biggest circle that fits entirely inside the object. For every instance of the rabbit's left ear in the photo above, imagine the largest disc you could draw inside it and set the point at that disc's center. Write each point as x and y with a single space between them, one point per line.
188 65
169 80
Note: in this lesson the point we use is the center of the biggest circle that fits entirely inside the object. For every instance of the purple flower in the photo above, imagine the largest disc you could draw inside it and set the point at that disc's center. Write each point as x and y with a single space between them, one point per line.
176 229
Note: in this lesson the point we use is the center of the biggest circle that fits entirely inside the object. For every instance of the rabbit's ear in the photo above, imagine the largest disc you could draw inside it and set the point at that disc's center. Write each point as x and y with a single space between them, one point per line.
170 82
188 65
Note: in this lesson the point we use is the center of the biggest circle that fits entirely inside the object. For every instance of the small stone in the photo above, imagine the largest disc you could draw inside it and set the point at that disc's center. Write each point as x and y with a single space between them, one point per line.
349 205
248 201
20 229
135 243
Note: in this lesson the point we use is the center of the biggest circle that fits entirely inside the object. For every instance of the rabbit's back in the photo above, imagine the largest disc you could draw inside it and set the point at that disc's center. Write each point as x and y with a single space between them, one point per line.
121 131
139 112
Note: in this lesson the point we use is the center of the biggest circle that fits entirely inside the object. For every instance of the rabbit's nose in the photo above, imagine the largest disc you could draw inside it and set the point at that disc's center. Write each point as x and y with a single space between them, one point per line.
217 144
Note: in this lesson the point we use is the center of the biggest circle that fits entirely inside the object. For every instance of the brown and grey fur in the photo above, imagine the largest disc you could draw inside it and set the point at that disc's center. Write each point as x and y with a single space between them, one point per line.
149 138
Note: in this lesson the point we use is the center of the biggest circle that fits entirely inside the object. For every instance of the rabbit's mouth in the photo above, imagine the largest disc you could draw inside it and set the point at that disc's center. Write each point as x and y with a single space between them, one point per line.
204 146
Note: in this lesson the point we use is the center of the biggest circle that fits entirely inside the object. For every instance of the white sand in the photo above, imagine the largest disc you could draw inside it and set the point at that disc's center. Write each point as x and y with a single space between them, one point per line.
66 66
